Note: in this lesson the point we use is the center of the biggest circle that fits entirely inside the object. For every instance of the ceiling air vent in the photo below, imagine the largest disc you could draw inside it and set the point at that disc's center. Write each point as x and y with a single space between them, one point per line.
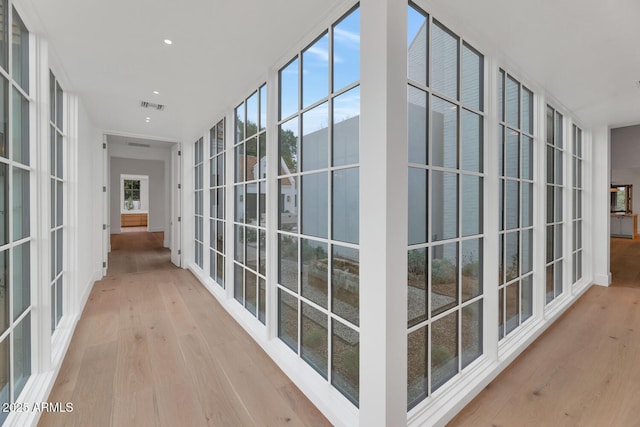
137 144
147 104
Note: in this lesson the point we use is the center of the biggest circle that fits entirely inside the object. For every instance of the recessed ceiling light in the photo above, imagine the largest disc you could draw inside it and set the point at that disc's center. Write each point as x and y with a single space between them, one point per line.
148 119
167 41
155 92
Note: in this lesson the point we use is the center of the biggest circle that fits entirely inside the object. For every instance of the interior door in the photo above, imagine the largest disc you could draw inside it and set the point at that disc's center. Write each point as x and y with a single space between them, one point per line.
176 204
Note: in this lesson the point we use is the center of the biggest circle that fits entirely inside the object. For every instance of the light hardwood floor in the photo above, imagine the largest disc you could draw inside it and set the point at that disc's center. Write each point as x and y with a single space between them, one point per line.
584 370
154 348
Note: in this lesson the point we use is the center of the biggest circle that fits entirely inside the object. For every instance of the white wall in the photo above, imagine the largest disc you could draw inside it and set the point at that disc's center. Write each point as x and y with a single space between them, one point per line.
625 160
158 190
89 191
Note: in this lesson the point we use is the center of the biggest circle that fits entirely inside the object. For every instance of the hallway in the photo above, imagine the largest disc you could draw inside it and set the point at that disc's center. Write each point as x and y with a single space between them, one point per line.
584 370
154 348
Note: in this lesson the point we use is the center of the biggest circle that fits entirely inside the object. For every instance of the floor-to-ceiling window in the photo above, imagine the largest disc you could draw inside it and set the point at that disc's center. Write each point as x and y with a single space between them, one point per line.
15 210
56 174
555 203
250 200
515 135
577 204
217 218
198 201
446 161
318 206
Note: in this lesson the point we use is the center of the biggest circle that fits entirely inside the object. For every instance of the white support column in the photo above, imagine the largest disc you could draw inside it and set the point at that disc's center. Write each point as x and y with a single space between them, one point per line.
539 203
383 214
598 236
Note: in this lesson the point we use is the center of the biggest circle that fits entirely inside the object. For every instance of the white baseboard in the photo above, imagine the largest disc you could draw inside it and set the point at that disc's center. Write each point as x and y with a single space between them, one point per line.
602 279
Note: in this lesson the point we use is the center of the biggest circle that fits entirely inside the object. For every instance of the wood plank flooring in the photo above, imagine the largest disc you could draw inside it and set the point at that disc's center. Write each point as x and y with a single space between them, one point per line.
584 370
154 348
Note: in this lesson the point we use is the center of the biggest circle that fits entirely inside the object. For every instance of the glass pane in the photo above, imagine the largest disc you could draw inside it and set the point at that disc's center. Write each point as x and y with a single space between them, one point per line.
262 252
558 241
59 111
289 147
558 279
444 133
251 259
559 204
345 360
21 354
314 269
527 111
21 209
251 159
20 128
527 298
511 155
559 140
512 305
262 300
262 156
550 204
314 337
263 107
239 243
472 82
559 167
4 294
239 208
512 256
416 367
21 279
346 205
220 270
4 61
526 263
59 203
4 204
471 146
289 101
444 350
287 204
549 284
471 333
512 102
501 265
238 282
444 60
59 250
527 204
252 115
444 205
251 292
511 203
444 277
527 158
4 119
20 52
471 269
220 136
346 51
345 279
315 78
240 118
501 96
418 185
417 41
471 204
288 262
288 319
417 268
262 218
315 138
549 125
501 314
346 127
240 164
314 204
417 129
251 203
59 295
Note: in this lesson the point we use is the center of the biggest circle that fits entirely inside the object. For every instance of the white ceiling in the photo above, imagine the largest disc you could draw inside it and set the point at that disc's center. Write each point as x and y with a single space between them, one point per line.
111 53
